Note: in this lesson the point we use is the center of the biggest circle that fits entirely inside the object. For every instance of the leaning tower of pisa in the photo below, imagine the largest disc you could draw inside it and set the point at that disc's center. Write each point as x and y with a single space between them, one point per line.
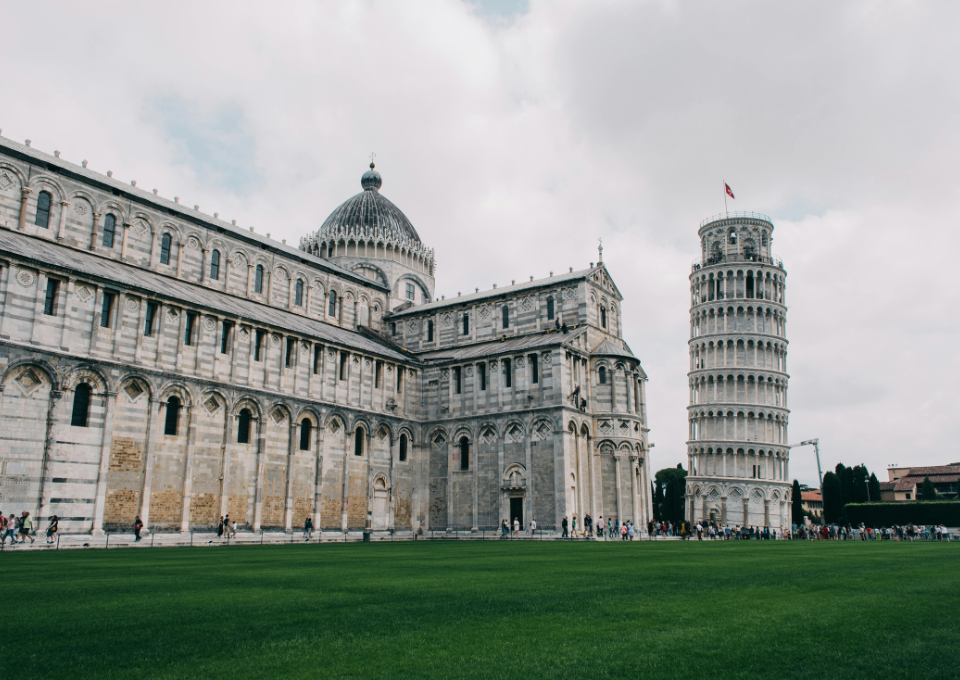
738 459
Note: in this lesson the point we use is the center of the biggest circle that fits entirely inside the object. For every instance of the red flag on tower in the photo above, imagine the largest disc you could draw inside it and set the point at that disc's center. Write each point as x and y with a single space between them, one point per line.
729 190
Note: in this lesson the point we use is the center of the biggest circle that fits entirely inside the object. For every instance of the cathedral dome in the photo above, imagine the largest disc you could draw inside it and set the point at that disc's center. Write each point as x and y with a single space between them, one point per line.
369 212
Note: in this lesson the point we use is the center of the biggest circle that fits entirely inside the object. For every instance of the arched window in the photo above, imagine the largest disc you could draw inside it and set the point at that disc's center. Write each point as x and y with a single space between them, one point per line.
243 426
173 417
258 279
603 317
215 265
733 237
81 405
109 228
602 372
298 294
466 324
306 429
464 453
165 249
332 306
550 308
358 441
506 317
403 448
43 210
430 330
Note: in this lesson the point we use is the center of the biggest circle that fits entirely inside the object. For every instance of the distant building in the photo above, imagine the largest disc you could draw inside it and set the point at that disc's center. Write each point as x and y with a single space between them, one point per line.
812 502
904 484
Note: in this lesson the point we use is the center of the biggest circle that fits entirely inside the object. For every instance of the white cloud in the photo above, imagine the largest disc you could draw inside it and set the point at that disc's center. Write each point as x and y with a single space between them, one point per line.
514 139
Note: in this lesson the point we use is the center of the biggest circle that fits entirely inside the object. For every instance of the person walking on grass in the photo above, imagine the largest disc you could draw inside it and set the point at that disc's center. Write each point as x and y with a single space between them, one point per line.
563 525
52 527
137 528
307 529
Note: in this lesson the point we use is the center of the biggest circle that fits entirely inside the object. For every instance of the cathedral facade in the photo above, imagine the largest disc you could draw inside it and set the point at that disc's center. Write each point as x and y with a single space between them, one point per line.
159 362
737 453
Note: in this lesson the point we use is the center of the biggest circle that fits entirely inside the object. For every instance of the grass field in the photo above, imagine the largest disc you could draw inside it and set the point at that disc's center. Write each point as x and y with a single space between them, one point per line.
486 610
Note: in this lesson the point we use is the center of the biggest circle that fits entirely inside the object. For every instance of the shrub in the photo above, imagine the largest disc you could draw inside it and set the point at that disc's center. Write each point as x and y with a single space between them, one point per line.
889 514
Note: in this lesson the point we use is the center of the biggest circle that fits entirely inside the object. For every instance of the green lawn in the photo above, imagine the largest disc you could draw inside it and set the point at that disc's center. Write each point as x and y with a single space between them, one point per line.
486 610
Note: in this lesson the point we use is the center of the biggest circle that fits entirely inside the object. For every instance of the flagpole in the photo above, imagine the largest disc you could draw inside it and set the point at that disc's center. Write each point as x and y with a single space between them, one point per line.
726 212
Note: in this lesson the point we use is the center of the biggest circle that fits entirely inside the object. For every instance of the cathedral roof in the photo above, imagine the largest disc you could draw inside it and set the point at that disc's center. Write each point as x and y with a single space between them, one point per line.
370 212
608 348
494 347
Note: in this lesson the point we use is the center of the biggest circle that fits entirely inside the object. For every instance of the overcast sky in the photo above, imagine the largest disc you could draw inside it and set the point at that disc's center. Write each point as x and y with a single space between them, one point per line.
515 134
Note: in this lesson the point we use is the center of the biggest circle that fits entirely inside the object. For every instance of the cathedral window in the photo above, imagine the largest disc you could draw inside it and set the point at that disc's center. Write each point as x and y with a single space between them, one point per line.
403 448
150 315
258 343
165 249
430 331
317 355
109 229
81 405
306 429
603 317
464 453
258 280
534 362
225 334
343 365
377 373
188 328
106 310
358 441
332 305
507 373
172 420
215 265
602 373
457 379
411 291
482 376
43 210
550 313
243 426
466 324
298 293
50 299
399 379
291 351
393 328
506 316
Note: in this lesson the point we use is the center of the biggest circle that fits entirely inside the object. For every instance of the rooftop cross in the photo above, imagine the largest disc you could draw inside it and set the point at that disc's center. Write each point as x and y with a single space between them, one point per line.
600 250
372 157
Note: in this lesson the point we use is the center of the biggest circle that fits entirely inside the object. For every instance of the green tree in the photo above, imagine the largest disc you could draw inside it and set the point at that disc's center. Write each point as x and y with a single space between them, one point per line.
797 503
671 482
832 498
874 489
657 502
928 492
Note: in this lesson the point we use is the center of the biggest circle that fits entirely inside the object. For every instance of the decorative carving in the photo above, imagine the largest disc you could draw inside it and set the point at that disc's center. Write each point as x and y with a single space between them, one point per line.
212 405
447 319
84 293
519 362
333 425
25 277
606 427
244 333
489 435
133 390
6 181
445 373
484 311
80 208
278 416
355 361
131 304
514 434
274 340
412 326
525 303
439 440
193 243
469 371
28 381
140 226
209 324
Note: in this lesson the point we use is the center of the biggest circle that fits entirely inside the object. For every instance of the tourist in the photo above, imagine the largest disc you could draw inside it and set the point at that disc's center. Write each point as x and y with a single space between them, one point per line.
600 527
504 528
52 527
233 527
574 528
533 526
220 527
26 528
630 530
11 530
563 526
610 532
516 527
623 531
137 528
699 531
307 529
587 525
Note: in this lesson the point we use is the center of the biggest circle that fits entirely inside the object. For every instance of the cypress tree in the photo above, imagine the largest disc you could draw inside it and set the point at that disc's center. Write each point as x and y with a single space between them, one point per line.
832 498
797 504
858 483
928 492
874 489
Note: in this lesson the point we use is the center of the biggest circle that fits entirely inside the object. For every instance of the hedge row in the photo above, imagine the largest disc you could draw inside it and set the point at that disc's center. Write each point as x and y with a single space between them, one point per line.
890 514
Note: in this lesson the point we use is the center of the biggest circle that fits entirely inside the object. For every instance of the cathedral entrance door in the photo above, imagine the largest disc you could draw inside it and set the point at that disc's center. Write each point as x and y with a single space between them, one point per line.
516 512
380 496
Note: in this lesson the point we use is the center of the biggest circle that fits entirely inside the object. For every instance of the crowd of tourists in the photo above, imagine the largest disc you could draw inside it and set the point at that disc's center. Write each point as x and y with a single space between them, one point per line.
612 529
839 532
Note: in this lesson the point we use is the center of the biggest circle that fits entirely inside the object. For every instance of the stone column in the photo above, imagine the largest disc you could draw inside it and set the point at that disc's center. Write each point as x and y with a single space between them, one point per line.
203 263
291 452
225 461
22 221
161 317
250 279
153 253
49 443
188 469
634 493
616 467
766 512
64 205
723 510
261 453
746 511
4 286
123 243
38 321
141 319
153 417
94 233
450 469
101 497
475 524
528 491
318 480
348 448
68 293
392 505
